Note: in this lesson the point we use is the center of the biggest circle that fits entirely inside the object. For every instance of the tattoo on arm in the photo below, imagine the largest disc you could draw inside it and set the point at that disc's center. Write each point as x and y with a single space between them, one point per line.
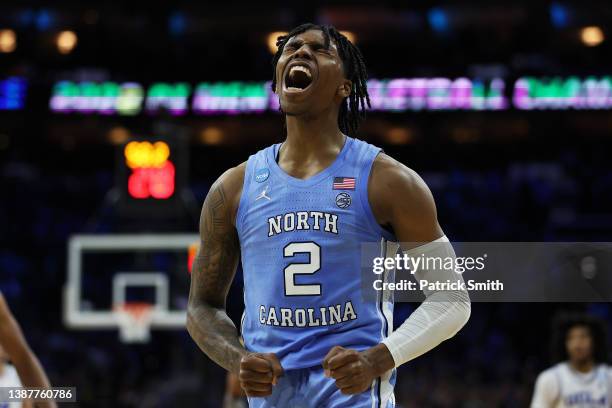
212 274
217 258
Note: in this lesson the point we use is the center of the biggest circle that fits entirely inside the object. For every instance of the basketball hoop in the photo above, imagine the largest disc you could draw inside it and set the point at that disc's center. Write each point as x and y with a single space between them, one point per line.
134 320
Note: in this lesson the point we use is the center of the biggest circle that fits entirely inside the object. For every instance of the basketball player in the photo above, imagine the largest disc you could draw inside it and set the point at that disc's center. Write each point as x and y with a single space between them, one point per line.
27 371
581 379
296 214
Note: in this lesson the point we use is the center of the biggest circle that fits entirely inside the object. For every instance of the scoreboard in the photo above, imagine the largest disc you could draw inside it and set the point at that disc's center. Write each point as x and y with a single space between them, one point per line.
152 172
150 176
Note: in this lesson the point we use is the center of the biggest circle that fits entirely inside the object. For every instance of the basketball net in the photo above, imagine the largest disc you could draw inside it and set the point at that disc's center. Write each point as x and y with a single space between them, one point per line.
134 320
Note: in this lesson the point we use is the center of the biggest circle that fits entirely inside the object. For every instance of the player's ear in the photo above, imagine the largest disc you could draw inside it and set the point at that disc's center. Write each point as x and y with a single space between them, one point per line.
344 90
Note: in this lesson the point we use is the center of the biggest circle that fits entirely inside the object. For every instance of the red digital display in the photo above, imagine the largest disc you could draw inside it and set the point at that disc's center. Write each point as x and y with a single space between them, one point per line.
152 182
153 174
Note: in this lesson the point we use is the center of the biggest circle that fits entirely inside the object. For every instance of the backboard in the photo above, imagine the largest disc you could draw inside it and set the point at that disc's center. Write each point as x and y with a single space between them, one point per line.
108 272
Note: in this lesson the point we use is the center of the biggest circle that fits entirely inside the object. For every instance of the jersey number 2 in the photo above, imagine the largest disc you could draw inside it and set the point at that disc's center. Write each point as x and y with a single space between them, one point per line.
313 265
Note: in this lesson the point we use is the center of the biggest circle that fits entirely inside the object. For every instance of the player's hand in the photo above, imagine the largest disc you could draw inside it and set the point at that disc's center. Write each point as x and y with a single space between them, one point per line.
258 373
351 369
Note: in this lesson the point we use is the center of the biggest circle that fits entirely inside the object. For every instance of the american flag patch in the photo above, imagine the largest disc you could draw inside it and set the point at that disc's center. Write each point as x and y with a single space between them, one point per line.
344 183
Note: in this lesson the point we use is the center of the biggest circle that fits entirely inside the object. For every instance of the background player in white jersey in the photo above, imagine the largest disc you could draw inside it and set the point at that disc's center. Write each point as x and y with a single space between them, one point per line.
25 369
581 379
341 192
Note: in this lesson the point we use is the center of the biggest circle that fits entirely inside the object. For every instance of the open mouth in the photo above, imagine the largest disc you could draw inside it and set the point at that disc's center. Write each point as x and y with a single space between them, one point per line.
298 78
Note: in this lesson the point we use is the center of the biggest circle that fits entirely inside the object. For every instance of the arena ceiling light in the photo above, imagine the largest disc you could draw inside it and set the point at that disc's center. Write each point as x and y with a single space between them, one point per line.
66 41
350 36
438 19
211 135
559 15
591 36
272 40
8 41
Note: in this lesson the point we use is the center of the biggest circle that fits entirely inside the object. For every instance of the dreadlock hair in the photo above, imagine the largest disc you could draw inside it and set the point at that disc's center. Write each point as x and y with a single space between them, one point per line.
566 321
353 108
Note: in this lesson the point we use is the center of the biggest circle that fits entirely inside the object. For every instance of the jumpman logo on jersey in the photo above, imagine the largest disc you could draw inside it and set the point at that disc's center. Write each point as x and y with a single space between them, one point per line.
263 194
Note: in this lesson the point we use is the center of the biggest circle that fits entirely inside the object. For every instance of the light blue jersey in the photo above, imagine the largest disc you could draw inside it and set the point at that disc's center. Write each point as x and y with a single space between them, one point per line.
301 258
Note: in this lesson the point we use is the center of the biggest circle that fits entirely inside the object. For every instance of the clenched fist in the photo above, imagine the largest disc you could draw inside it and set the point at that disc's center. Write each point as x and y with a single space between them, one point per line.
258 373
355 371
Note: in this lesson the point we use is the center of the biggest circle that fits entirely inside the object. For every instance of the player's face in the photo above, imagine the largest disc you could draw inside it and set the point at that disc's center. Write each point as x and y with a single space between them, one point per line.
579 343
310 77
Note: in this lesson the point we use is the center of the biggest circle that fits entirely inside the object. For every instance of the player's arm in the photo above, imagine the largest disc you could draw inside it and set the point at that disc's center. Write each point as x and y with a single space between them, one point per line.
546 390
401 201
213 271
31 373
413 217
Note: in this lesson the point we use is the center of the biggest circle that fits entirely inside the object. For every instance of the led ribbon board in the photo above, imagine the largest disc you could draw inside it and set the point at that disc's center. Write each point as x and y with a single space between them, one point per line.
12 93
173 98
107 98
389 95
234 97
563 93
436 94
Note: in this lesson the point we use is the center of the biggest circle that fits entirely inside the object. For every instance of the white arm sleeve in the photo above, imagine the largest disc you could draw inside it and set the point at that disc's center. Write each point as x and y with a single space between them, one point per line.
439 317
546 390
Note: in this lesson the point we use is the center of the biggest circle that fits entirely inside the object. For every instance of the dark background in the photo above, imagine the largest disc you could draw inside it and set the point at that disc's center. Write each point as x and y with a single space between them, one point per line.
508 175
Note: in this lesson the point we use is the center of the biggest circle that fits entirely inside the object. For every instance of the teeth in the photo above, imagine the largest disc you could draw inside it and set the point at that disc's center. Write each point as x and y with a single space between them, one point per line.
293 88
301 68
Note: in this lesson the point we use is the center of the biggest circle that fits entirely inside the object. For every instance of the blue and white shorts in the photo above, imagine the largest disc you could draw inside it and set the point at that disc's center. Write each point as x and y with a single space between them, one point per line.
309 388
